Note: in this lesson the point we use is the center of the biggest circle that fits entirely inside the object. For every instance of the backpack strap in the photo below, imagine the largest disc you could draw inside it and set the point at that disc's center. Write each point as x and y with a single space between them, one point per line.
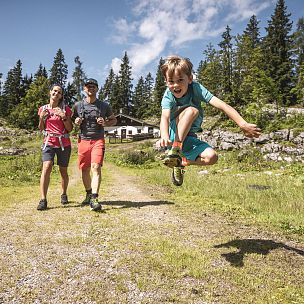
59 136
99 108
46 107
81 110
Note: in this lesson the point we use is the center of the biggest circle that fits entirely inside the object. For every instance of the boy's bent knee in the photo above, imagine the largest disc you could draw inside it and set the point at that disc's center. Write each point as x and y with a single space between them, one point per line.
189 113
209 157
213 159
192 111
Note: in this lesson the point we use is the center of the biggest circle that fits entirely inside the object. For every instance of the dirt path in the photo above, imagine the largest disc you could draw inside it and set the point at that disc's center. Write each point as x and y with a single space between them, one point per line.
137 251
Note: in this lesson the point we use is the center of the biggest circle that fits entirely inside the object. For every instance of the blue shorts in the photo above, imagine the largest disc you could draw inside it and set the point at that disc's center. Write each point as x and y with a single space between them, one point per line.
192 146
63 157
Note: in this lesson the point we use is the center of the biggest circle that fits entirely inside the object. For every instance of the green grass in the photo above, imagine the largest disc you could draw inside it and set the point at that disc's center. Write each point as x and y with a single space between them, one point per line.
242 186
195 250
20 169
164 260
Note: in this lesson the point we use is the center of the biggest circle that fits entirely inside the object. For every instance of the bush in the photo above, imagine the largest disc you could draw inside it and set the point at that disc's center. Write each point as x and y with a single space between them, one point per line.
135 157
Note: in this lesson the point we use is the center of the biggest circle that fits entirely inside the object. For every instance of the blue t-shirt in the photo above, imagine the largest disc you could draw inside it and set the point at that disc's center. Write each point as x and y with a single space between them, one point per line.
195 95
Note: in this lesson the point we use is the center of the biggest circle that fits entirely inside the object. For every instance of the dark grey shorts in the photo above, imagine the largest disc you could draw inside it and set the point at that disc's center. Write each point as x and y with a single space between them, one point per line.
63 157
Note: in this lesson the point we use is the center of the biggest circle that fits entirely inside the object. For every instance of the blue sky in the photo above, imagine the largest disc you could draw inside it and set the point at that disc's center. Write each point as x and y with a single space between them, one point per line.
99 32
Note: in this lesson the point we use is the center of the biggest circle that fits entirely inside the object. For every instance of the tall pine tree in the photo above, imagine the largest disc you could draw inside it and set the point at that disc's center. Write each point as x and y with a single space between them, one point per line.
210 70
148 95
277 48
12 90
25 114
139 99
125 79
70 94
1 83
298 43
298 49
299 88
253 31
226 62
79 78
159 90
244 54
105 92
59 70
25 85
41 72
114 98
256 88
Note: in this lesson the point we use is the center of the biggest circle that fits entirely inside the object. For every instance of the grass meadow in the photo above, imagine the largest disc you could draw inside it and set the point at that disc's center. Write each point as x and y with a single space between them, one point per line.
229 235
242 185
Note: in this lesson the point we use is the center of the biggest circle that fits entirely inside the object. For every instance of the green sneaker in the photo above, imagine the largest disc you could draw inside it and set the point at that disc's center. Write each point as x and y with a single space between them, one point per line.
94 204
86 200
174 158
178 175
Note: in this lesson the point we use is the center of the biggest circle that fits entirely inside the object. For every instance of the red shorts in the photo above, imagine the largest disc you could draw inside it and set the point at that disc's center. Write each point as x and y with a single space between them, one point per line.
90 151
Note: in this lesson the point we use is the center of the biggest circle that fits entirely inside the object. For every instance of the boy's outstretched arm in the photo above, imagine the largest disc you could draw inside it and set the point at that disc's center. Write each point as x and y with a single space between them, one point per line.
250 130
164 128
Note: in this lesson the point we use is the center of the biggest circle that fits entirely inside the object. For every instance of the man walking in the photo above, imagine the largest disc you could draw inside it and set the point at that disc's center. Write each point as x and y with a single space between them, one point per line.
92 115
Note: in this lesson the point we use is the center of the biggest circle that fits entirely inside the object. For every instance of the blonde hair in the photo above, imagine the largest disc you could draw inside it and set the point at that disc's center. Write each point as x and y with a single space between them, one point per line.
176 63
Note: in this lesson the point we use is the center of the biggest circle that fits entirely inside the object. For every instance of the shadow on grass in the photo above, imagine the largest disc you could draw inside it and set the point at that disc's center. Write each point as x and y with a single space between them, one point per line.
118 204
71 204
131 204
248 246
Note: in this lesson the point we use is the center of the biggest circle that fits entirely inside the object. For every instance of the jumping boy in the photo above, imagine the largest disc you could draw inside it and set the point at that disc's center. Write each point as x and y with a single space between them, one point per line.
182 116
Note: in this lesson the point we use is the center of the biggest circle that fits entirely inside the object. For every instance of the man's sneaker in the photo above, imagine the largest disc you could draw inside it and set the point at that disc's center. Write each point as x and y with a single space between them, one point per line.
64 199
94 204
42 204
86 200
178 175
173 158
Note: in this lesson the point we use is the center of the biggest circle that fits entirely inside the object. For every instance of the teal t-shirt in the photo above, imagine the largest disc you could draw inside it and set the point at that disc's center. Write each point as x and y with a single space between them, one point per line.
196 94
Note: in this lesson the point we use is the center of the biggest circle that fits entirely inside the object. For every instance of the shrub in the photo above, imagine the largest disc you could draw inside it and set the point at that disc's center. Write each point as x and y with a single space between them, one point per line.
135 157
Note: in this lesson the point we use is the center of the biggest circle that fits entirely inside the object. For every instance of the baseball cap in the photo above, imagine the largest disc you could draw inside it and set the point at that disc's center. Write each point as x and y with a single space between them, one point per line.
91 81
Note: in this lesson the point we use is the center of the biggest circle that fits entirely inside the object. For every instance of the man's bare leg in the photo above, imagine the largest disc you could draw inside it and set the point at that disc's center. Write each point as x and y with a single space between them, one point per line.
86 178
96 177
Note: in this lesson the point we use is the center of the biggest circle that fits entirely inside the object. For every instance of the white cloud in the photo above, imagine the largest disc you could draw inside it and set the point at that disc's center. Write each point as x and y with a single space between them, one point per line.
124 30
244 9
115 65
142 54
161 25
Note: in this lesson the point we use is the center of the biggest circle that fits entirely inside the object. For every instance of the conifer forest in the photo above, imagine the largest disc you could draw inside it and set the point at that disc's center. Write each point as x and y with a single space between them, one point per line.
247 71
